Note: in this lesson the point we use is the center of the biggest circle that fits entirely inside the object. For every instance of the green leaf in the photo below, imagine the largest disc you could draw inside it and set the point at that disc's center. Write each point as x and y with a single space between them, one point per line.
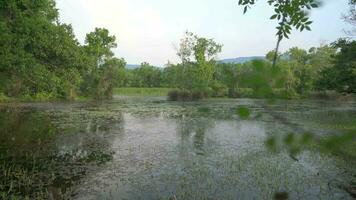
245 9
298 25
274 16
314 5
308 28
285 35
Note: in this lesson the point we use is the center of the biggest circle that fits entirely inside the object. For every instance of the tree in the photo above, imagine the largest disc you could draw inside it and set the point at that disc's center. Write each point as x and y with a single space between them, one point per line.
110 74
271 54
198 57
288 13
321 60
228 74
302 71
171 76
345 66
37 50
205 51
42 59
99 44
185 50
100 79
147 76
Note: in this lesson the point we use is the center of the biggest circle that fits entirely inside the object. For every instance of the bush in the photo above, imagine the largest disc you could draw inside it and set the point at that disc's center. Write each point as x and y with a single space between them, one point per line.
3 97
241 93
218 89
197 95
44 96
14 86
173 95
179 95
245 92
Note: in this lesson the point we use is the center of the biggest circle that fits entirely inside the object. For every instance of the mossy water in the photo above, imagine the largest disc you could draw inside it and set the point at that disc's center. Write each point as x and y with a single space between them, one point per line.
149 148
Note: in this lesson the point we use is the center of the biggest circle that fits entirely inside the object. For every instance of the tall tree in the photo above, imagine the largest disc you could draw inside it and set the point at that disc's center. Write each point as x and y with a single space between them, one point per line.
36 50
345 66
302 71
99 44
198 56
99 80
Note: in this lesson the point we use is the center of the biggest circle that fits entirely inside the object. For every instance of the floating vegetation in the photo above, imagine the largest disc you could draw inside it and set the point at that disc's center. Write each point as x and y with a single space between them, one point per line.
150 148
243 112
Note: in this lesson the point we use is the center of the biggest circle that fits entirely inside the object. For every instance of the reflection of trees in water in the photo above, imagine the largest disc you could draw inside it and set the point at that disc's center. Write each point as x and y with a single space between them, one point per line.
88 135
193 133
52 150
21 128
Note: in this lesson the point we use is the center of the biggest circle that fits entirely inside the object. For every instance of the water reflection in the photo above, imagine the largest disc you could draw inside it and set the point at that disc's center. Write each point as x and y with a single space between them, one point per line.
192 132
51 149
150 150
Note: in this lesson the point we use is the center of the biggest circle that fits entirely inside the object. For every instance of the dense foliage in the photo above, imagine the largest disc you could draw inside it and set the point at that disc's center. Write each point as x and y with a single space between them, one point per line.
298 73
41 58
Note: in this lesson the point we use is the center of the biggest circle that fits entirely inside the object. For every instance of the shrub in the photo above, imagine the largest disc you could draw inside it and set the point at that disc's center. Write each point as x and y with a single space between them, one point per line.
179 95
197 95
245 92
173 95
3 97
218 89
44 96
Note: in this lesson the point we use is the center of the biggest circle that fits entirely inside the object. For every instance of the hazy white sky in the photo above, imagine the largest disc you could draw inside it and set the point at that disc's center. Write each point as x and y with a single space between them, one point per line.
147 30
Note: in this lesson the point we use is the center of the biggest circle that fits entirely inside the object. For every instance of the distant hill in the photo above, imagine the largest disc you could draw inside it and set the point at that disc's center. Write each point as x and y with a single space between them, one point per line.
135 66
228 60
242 59
132 66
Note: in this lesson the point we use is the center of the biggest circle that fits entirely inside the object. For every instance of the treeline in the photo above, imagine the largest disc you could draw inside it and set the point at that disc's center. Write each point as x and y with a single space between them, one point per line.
41 59
298 73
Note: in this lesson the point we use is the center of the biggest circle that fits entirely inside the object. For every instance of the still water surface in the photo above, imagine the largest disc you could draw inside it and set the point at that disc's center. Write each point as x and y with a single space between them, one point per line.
148 148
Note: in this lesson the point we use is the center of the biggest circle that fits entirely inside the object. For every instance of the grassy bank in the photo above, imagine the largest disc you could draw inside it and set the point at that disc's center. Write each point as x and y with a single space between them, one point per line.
131 91
39 98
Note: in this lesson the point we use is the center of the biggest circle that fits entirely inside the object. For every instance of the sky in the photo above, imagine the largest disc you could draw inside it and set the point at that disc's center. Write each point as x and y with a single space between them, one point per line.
150 30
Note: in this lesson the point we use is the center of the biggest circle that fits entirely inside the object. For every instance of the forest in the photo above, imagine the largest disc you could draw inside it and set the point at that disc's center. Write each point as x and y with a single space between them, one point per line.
41 59
299 73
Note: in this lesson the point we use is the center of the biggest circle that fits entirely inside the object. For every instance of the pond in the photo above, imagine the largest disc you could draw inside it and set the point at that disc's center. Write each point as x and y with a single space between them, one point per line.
149 148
